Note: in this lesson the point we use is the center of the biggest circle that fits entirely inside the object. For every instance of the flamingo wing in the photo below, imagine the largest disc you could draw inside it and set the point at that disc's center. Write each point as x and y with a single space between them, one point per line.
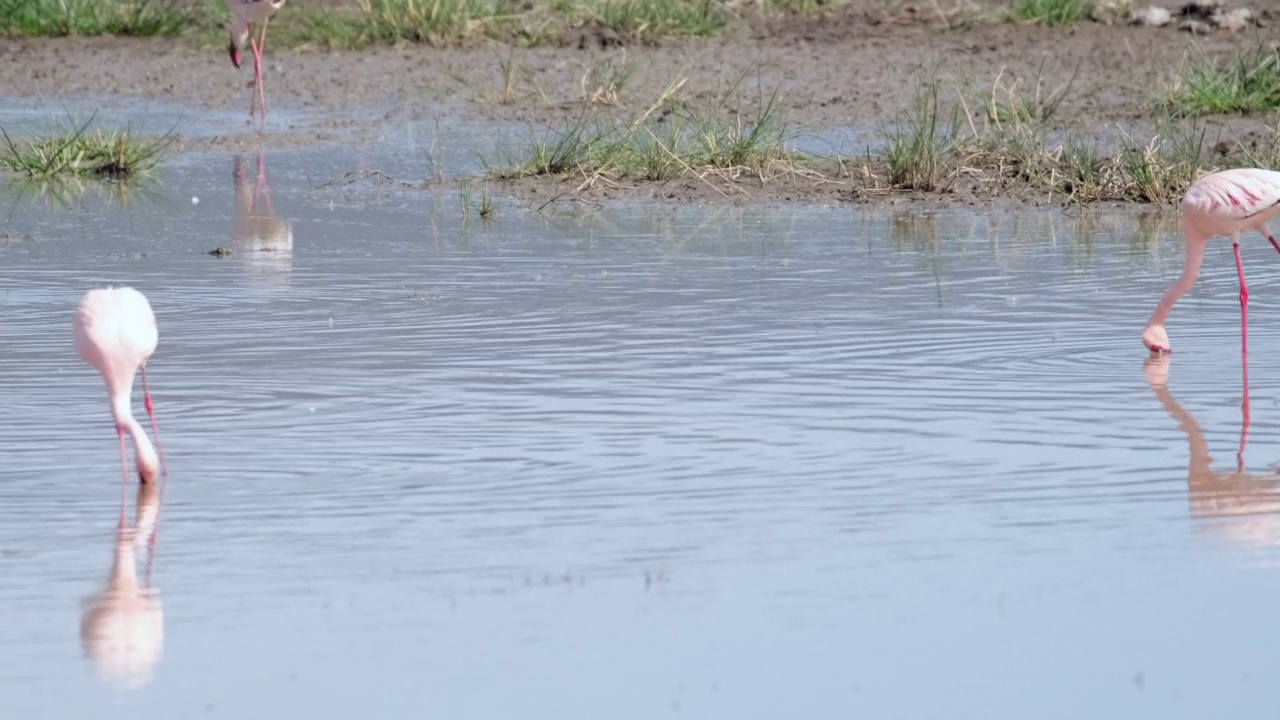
1240 194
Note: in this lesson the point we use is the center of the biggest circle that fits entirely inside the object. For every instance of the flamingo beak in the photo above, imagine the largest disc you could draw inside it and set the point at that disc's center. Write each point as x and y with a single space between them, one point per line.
234 52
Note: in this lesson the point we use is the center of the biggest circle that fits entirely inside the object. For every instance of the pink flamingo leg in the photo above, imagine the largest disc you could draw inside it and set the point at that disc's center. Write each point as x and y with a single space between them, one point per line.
259 48
124 476
155 430
1244 303
1244 349
253 88
262 188
164 464
259 45
1245 418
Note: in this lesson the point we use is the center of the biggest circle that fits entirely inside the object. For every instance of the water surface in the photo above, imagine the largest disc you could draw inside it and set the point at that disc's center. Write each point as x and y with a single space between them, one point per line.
720 462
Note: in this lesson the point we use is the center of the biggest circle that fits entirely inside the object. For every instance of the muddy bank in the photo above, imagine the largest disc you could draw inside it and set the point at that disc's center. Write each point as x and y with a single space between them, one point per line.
856 69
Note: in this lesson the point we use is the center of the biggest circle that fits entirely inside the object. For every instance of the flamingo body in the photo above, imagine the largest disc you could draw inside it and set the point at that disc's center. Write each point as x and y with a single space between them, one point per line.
1227 203
115 332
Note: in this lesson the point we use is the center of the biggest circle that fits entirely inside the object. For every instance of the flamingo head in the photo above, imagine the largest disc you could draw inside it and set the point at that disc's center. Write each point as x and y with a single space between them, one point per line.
239 36
1156 339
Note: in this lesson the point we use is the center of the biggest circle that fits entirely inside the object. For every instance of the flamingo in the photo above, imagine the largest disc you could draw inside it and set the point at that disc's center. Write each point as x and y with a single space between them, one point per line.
244 13
1226 203
115 332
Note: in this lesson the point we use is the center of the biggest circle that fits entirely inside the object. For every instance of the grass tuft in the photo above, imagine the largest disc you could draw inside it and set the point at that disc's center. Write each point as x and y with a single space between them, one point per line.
1247 81
521 22
917 149
76 151
1050 12
668 140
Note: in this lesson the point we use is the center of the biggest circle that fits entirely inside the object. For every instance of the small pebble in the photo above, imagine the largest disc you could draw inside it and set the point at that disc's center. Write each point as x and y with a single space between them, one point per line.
195 200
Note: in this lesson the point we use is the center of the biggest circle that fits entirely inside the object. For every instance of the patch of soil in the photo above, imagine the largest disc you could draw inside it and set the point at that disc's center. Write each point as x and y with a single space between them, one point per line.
855 68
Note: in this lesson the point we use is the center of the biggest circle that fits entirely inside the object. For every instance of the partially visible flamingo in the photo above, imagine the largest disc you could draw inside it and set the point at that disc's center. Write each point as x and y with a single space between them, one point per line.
244 13
115 332
1226 203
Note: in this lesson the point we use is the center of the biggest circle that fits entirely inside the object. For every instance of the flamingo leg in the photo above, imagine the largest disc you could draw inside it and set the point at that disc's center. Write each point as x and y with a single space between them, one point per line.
1244 300
164 467
262 188
155 430
257 68
1265 229
1244 420
124 476
253 88
1244 347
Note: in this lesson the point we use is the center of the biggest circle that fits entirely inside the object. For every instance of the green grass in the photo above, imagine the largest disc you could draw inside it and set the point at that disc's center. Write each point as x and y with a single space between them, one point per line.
917 148
95 17
940 143
350 24
521 22
670 139
1050 12
1247 81
353 24
74 150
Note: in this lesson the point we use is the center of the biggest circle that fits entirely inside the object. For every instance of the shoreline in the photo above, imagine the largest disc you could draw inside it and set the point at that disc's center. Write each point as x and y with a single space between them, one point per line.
1006 87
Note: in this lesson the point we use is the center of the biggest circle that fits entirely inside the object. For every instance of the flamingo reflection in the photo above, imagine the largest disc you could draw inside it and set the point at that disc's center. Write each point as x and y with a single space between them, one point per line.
264 241
1246 505
122 627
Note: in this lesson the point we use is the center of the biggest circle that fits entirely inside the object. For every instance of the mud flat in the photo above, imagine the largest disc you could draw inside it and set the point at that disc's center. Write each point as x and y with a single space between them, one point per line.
1011 112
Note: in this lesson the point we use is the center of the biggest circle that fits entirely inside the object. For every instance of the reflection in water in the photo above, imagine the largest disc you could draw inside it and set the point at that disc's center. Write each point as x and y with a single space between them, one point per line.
1246 505
264 241
72 193
122 627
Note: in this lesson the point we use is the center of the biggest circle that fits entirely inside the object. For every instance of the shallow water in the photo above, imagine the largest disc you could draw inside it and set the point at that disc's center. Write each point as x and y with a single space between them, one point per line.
730 463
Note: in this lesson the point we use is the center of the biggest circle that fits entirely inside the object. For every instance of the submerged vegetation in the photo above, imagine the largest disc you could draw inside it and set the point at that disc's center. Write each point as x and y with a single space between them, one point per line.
72 150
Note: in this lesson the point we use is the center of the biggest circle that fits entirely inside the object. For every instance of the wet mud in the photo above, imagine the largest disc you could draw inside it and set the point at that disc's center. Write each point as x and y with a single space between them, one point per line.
846 72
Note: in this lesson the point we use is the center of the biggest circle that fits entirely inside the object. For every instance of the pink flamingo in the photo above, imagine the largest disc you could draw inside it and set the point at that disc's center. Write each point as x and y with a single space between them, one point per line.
1225 203
244 13
115 332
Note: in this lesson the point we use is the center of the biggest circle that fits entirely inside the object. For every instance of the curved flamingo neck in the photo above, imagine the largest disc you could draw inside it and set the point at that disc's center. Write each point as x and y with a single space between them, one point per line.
1190 271
145 454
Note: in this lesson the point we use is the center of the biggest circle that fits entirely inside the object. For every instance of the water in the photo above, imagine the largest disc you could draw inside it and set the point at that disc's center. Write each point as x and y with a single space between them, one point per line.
710 462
